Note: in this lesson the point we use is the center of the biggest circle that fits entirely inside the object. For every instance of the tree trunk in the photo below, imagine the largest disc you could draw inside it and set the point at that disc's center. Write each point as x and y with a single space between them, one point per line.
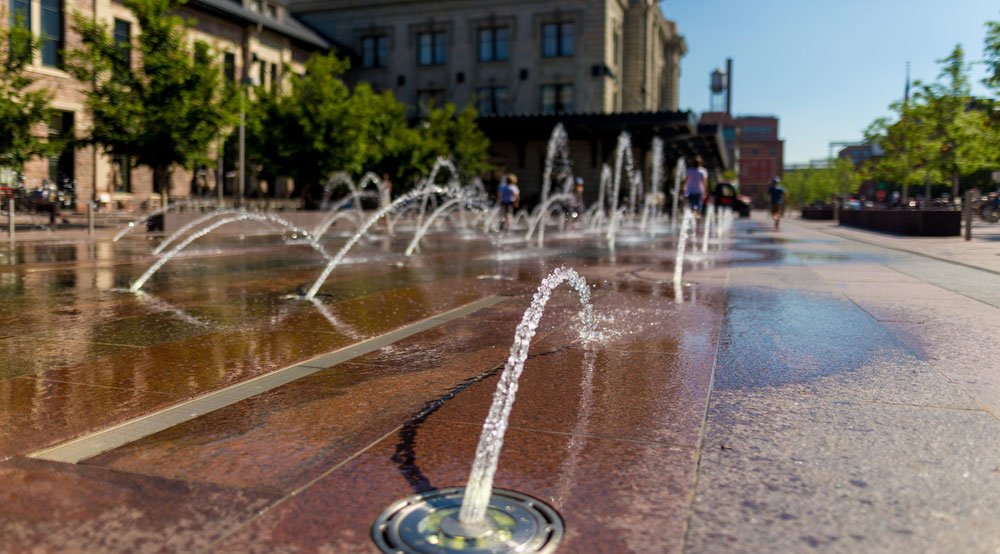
162 177
954 186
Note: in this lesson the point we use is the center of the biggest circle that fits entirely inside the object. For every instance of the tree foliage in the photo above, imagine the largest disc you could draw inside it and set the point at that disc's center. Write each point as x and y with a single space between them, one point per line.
163 109
992 56
819 184
939 135
22 109
321 126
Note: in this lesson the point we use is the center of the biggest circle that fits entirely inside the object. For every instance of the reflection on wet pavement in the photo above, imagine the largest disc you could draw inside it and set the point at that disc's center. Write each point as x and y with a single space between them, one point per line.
614 425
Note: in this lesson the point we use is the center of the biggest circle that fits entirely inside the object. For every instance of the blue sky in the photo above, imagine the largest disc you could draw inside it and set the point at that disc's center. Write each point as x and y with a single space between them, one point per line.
826 68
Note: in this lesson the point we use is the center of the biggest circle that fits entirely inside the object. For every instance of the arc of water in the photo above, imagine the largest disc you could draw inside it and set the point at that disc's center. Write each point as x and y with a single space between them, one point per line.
337 178
190 225
625 160
613 225
546 216
131 225
334 214
543 210
329 222
268 218
602 192
413 194
480 485
446 207
682 239
679 174
657 181
394 219
707 231
557 148
521 217
428 185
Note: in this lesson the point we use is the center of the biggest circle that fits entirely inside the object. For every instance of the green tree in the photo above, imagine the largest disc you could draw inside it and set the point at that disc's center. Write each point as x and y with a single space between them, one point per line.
163 110
310 132
905 151
955 132
453 133
992 56
22 110
818 184
938 135
321 126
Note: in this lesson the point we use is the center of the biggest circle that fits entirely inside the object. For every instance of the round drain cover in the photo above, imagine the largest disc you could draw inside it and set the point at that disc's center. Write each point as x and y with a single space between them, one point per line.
428 523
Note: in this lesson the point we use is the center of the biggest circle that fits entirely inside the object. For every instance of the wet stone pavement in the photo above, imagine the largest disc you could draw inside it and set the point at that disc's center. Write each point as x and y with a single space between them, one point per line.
808 392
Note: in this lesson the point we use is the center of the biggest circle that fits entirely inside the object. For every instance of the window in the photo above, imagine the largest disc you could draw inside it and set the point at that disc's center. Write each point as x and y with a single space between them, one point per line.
122 167
20 12
492 100
431 48
123 41
374 51
557 98
493 44
261 72
229 67
257 6
51 32
272 11
557 40
61 165
275 81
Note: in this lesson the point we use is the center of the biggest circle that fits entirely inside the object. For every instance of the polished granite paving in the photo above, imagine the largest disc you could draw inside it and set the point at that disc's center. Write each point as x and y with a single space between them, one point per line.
773 400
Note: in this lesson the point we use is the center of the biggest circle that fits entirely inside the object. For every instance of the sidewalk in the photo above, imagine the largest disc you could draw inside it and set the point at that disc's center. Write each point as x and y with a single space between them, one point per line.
855 400
983 251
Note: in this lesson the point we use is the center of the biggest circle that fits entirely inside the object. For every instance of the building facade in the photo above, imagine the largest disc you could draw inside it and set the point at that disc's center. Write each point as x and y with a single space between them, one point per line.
759 150
256 40
513 59
521 56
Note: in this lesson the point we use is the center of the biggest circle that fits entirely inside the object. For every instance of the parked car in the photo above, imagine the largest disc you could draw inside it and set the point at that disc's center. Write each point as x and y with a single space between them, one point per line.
726 195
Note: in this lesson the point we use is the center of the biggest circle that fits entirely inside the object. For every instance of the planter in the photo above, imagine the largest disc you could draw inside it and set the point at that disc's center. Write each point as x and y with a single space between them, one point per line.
915 223
817 213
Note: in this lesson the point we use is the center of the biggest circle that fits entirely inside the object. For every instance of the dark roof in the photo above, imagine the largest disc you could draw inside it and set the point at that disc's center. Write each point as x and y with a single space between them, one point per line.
682 136
642 126
289 26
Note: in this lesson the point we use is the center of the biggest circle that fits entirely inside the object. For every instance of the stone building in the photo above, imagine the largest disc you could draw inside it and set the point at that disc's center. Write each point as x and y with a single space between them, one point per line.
515 59
520 56
256 40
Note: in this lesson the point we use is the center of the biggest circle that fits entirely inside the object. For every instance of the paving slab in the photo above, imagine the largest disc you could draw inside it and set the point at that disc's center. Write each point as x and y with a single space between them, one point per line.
52 507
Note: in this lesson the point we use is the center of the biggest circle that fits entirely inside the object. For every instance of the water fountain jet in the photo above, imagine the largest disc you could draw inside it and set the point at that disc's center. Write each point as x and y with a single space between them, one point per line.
480 518
400 201
263 218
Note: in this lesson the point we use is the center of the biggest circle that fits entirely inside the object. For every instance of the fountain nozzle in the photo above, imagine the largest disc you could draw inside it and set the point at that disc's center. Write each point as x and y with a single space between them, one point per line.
428 523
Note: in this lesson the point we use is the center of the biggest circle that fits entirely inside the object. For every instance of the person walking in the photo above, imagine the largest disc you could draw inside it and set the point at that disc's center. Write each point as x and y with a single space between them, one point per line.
696 185
509 198
777 193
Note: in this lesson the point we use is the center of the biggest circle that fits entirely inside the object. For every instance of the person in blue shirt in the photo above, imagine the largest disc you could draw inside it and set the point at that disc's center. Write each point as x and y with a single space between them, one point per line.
509 198
777 194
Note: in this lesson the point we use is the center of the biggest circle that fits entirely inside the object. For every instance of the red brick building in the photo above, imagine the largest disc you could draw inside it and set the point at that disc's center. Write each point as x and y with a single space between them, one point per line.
760 153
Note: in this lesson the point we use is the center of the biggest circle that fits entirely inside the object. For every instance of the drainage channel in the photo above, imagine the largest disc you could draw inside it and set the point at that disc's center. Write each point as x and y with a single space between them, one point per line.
95 443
